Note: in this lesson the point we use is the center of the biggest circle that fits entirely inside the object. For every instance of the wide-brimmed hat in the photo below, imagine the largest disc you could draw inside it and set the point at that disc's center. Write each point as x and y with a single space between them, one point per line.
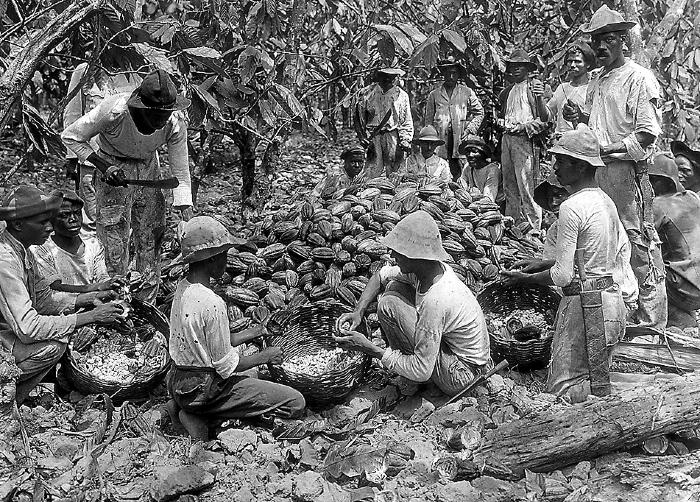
26 201
682 149
520 56
449 62
158 92
396 72
605 20
417 237
473 141
68 195
204 237
666 167
541 193
580 143
428 135
354 153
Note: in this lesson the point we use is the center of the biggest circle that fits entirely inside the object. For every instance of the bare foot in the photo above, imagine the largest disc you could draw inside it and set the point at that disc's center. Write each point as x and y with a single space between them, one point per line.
172 409
196 426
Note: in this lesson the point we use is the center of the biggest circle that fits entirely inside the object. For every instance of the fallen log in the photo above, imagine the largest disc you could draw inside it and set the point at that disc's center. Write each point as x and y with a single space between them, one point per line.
685 358
563 436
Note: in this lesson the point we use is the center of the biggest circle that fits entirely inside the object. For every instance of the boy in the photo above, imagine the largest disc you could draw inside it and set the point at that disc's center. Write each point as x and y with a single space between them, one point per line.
425 162
353 173
479 172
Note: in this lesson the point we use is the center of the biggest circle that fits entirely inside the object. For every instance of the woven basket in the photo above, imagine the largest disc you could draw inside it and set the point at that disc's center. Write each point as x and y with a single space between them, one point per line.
307 330
498 298
86 383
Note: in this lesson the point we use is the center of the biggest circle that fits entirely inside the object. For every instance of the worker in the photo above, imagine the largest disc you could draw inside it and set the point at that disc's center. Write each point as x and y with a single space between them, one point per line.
549 195
479 172
677 220
524 120
620 110
67 261
130 128
588 220
455 111
579 61
688 162
391 139
353 173
434 328
35 325
206 381
425 162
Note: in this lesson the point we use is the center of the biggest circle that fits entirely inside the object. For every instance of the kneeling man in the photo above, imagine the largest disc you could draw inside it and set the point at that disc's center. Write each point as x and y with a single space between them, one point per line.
432 322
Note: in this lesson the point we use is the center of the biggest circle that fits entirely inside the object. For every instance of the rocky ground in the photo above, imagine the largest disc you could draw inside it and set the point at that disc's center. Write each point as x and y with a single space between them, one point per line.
388 441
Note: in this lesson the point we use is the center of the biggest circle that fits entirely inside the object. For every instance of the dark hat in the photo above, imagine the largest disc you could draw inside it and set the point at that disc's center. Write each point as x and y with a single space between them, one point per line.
68 195
541 193
158 92
682 149
520 56
666 167
605 20
354 153
26 201
472 141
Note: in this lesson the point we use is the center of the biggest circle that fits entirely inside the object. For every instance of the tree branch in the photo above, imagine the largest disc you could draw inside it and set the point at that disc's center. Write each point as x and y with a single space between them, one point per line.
660 33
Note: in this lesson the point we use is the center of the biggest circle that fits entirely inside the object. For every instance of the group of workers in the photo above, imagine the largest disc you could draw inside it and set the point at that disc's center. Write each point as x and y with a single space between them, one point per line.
55 278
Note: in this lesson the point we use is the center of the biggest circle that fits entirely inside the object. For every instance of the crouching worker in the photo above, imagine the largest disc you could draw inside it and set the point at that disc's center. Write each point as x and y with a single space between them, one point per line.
353 173
433 325
588 221
33 327
206 381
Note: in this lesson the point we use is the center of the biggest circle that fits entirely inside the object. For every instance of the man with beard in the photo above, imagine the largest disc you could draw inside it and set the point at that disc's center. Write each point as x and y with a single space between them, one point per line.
619 109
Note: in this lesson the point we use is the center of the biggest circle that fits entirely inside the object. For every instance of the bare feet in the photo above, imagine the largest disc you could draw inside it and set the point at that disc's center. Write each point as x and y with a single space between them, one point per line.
196 426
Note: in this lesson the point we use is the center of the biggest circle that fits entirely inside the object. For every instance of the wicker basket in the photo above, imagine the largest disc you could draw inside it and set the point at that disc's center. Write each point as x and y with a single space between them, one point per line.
499 298
306 330
86 383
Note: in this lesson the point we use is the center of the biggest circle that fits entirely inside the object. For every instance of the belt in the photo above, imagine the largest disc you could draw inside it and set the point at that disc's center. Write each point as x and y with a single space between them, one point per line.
596 284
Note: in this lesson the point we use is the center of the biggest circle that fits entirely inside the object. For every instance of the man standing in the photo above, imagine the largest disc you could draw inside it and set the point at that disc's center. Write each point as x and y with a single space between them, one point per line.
676 217
620 111
524 115
391 138
455 111
688 162
33 327
129 131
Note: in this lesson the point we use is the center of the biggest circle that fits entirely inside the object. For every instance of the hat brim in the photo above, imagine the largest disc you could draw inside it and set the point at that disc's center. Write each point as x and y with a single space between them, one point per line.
50 205
678 148
607 28
181 103
529 64
594 161
205 254
541 193
68 196
392 71
405 249
433 139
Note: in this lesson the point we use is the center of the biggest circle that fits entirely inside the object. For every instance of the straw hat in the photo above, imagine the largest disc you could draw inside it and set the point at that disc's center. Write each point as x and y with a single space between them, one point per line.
666 167
605 20
682 149
541 193
417 237
204 237
158 92
580 144
428 135
395 72
520 56
27 201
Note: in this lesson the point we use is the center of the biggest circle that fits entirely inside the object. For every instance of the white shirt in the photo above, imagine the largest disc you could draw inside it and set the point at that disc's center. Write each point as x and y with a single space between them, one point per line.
565 92
199 330
449 314
518 107
434 166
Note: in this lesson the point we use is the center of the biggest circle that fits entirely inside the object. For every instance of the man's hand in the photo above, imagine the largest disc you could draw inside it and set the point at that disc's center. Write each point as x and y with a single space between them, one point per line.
347 322
114 175
272 355
511 277
115 283
106 313
571 112
94 297
354 340
537 88
528 266
186 212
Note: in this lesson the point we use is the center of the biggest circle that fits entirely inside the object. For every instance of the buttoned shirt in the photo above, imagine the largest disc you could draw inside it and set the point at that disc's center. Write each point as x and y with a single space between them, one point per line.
395 99
565 92
461 113
433 167
29 312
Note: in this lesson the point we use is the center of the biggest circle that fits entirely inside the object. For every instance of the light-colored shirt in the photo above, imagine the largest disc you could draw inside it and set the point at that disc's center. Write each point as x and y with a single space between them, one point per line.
549 250
518 111
462 112
395 99
29 312
565 92
448 314
117 136
588 219
620 105
199 330
85 266
487 180
433 167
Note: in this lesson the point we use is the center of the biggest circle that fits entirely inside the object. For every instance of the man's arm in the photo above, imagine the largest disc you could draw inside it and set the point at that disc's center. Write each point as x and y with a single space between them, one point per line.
77 136
477 110
247 335
429 118
179 163
405 120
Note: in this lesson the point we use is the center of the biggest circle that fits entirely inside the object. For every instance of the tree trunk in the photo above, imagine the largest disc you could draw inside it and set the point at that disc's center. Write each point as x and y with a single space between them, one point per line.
660 34
630 10
21 70
560 437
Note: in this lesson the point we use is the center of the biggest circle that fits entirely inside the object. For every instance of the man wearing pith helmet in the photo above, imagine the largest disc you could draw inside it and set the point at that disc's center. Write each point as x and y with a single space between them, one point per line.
129 129
434 327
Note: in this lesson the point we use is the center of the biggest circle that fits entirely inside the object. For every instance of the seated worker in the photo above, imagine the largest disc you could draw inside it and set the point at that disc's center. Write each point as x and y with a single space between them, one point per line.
479 172
206 381
677 221
425 162
32 325
688 162
353 173
588 220
67 262
434 328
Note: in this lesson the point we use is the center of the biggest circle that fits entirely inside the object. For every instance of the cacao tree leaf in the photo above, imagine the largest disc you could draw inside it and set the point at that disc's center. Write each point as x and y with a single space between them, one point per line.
248 63
288 101
267 112
456 39
397 36
156 57
413 32
203 52
387 51
426 52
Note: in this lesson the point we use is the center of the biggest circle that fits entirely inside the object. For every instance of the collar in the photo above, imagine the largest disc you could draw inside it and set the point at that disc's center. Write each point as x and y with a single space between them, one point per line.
604 73
7 238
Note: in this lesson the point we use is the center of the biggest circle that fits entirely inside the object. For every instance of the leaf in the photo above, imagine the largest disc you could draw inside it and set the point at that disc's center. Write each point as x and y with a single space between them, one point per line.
386 49
288 101
207 97
355 461
156 57
203 52
426 52
44 138
397 36
248 63
361 56
455 39
267 112
413 32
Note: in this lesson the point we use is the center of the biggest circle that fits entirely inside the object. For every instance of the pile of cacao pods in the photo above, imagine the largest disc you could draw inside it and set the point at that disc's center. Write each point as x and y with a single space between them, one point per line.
311 250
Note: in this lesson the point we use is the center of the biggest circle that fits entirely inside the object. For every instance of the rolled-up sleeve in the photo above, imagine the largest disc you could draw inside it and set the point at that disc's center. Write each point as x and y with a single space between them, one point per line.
224 357
477 113
77 136
404 119
567 236
179 163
